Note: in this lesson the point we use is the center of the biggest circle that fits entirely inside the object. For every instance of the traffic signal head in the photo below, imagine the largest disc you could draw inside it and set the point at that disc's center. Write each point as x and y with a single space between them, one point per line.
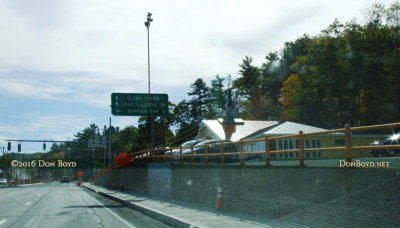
9 146
69 146
19 147
44 146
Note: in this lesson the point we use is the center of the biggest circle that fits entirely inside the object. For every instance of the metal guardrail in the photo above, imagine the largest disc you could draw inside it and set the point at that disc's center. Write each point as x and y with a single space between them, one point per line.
155 155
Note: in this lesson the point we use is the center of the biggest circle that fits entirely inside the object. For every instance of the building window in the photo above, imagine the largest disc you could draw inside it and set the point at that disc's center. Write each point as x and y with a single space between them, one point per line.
285 144
339 142
263 145
316 143
272 145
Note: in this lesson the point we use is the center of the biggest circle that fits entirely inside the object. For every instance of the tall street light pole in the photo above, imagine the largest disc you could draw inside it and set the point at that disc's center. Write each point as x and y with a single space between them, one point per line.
147 24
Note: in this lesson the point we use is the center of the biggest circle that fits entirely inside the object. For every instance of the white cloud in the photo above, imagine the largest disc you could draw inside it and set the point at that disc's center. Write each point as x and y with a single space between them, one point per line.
189 39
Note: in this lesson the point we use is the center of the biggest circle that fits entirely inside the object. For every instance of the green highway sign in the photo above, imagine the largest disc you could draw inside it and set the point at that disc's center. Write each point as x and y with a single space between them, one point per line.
139 104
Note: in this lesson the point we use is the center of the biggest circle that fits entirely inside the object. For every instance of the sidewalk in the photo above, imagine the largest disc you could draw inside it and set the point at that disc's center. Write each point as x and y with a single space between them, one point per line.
171 214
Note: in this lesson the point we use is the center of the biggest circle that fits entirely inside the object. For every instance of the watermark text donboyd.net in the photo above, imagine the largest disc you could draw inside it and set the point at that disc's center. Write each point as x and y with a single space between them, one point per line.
358 164
41 164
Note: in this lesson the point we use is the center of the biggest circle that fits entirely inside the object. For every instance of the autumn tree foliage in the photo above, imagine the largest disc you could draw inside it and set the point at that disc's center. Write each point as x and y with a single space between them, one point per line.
347 74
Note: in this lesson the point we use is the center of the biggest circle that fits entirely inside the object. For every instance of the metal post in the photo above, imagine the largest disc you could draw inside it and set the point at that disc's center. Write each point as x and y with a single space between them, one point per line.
152 131
148 53
348 142
104 146
4 164
147 24
109 144
92 161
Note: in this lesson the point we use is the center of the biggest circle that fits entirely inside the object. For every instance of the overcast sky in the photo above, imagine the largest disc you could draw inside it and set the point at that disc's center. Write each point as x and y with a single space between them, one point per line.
61 60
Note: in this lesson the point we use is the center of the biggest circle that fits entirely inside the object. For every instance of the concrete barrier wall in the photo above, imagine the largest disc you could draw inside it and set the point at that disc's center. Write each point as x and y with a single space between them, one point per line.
133 178
160 184
268 192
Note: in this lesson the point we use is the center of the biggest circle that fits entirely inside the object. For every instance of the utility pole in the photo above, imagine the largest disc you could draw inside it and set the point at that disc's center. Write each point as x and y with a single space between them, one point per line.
4 164
104 144
109 144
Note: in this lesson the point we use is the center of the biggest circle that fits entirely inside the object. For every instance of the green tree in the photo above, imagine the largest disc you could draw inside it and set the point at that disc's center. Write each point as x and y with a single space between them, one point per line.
217 97
248 90
200 101
129 139
186 128
161 130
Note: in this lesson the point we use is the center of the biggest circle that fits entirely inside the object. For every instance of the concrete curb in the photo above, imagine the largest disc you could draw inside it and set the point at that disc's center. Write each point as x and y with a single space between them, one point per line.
168 219
22 185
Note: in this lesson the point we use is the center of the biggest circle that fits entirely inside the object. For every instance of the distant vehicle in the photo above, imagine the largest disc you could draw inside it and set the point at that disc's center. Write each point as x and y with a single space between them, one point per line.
215 149
65 179
394 140
185 148
3 181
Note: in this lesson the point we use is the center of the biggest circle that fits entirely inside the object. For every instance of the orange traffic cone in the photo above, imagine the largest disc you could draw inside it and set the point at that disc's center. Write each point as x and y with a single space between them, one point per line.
220 200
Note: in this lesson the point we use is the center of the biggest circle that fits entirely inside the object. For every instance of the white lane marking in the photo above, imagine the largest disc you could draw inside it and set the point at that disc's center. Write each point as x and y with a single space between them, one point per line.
3 221
117 216
38 195
28 203
30 222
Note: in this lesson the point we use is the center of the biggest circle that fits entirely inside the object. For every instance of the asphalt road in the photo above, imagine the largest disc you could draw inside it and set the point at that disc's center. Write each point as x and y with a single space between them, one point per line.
65 205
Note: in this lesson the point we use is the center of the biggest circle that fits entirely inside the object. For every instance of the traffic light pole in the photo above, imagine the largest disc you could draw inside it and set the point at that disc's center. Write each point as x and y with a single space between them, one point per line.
109 144
92 162
4 163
